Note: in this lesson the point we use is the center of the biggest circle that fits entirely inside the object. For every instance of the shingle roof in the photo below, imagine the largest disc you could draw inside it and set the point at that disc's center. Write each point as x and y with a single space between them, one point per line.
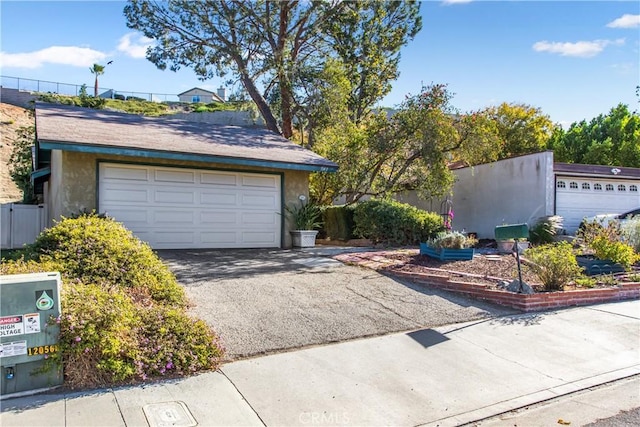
606 171
82 129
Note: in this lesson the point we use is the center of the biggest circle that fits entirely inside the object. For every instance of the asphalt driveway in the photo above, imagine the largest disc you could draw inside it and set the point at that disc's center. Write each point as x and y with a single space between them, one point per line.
263 301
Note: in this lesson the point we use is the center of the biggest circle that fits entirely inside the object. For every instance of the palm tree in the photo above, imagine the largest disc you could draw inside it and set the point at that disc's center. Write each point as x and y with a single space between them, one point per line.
98 70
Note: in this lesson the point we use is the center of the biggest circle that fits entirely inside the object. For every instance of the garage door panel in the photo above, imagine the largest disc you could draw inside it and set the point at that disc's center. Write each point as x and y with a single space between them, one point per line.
219 238
175 197
259 181
184 218
219 199
123 173
258 201
258 218
218 217
173 208
119 194
215 178
175 176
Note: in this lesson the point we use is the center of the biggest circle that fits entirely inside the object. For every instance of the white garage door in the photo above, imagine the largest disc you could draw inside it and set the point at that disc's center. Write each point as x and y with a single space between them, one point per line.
175 208
577 198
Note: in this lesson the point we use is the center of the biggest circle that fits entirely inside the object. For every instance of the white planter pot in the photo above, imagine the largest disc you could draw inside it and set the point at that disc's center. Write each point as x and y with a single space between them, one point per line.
304 238
506 247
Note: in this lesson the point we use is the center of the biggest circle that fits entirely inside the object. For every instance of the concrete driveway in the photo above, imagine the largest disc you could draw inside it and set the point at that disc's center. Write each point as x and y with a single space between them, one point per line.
264 301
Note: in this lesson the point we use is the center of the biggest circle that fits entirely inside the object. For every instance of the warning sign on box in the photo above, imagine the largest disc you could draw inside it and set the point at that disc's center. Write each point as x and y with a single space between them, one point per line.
11 325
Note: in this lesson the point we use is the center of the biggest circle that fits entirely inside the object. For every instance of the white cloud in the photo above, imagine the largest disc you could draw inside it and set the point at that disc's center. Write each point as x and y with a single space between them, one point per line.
449 2
625 21
63 55
134 45
582 49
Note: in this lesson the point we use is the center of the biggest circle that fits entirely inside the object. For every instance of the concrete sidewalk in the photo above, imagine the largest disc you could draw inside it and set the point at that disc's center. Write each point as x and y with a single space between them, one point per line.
449 375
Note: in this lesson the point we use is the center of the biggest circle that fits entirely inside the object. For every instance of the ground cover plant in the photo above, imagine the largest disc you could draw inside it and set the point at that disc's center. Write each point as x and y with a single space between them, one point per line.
123 313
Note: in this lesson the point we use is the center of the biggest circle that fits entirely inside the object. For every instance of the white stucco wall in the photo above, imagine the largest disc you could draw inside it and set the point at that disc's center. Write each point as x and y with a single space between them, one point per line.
511 191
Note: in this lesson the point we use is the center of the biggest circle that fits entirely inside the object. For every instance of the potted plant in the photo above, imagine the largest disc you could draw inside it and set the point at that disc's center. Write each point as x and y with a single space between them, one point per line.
449 245
306 220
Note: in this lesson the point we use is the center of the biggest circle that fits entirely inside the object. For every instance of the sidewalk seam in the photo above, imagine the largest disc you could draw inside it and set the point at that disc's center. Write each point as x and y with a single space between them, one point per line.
243 397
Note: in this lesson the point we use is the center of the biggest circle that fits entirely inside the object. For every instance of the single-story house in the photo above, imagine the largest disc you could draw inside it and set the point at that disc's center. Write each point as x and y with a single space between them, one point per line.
524 188
195 95
174 183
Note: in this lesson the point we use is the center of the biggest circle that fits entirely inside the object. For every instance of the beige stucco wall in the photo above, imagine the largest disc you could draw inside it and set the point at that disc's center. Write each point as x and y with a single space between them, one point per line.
511 191
73 182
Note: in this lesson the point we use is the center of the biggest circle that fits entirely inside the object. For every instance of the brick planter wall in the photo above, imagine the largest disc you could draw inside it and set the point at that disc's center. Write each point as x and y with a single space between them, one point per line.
535 302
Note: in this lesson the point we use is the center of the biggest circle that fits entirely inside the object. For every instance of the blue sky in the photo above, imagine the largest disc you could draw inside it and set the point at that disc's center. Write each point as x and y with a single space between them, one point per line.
573 60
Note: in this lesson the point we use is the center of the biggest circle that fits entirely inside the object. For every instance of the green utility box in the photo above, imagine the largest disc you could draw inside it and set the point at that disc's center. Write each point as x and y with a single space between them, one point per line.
512 231
29 307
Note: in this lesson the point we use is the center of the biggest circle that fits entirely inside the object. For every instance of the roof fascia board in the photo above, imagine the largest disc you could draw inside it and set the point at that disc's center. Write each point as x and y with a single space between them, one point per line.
133 152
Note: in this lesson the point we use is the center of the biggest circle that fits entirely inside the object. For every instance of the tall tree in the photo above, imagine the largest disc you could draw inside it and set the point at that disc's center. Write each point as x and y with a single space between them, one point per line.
367 37
98 70
408 150
523 129
612 139
260 42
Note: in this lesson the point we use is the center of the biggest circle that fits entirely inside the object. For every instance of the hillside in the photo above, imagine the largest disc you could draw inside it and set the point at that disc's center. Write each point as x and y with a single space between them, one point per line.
11 118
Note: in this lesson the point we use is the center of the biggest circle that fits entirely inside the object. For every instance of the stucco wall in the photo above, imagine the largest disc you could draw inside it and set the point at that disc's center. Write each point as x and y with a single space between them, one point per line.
73 182
511 191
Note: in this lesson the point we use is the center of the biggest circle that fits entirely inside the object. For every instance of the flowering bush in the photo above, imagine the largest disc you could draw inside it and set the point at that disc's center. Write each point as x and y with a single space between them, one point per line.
123 314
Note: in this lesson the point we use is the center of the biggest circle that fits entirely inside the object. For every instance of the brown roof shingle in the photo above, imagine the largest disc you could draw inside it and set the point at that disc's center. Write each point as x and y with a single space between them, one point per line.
70 127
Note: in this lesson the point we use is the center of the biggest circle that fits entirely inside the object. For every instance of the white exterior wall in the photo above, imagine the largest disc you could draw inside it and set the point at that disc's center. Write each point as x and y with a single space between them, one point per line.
511 191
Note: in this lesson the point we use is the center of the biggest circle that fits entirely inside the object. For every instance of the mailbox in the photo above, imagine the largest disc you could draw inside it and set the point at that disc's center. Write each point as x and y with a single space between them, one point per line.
29 305
512 231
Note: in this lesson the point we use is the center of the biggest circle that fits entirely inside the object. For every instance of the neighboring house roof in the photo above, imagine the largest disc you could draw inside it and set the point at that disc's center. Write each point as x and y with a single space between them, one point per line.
213 94
595 170
70 128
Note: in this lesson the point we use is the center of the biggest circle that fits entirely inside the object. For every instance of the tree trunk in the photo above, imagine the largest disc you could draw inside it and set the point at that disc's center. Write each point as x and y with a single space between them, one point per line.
261 103
95 87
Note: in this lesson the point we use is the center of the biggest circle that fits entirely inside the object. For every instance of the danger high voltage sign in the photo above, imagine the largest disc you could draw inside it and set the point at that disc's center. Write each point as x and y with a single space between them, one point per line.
11 325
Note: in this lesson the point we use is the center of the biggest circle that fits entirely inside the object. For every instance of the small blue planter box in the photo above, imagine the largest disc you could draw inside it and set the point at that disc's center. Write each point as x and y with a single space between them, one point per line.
446 254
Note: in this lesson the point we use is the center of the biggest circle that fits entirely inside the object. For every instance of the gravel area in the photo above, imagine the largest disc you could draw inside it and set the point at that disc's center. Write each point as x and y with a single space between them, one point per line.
263 301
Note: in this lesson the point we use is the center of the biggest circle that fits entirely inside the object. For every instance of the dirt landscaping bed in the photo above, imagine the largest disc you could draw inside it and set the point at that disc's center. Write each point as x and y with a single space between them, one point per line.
484 278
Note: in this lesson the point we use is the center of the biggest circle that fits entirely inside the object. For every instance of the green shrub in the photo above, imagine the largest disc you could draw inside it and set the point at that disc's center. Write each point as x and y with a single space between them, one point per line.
545 229
555 264
338 222
631 231
615 251
96 250
22 266
395 223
